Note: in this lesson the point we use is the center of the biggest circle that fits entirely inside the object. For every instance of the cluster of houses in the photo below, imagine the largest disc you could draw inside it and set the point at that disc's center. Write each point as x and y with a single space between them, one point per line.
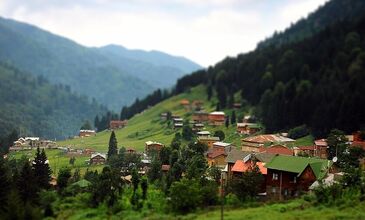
287 172
113 125
27 143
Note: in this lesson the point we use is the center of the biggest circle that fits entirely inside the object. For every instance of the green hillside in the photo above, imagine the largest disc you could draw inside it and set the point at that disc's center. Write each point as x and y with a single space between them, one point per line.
32 106
148 126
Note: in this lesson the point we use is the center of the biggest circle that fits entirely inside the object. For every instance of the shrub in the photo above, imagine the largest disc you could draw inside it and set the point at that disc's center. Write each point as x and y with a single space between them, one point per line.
298 132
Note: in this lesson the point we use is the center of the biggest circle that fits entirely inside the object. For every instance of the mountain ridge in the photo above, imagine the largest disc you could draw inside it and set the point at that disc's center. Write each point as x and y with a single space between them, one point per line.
87 70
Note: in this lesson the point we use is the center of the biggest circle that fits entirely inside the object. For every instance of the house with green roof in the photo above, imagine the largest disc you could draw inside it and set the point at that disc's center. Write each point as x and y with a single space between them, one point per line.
289 176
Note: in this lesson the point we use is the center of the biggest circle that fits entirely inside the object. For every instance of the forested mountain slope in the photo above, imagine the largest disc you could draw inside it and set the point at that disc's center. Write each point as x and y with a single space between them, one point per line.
317 81
32 106
329 14
112 79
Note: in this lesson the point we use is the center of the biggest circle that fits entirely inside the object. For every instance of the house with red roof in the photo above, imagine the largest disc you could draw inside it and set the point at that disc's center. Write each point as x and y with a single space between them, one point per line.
216 156
254 143
277 149
217 118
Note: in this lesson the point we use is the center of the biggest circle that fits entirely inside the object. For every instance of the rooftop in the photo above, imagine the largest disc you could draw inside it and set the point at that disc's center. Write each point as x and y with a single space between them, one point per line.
217 113
221 144
208 138
298 164
268 138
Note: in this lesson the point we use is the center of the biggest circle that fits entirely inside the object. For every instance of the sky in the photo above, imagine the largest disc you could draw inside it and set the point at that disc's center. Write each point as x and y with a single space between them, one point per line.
205 31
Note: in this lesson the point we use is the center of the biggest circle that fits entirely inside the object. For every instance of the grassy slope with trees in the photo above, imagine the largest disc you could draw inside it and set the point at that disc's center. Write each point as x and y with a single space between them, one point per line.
148 126
32 106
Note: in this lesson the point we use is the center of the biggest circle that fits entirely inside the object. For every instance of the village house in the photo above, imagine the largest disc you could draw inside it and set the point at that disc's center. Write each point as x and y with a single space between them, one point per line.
237 105
321 148
198 127
185 103
165 168
254 143
117 124
208 140
248 128
236 155
178 125
97 158
200 116
288 176
203 134
309 151
277 149
216 157
163 116
87 133
197 105
153 146
217 118
131 151
358 141
224 145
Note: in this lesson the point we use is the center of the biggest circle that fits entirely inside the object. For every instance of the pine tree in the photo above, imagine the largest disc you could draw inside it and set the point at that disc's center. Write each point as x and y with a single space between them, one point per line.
144 186
42 170
227 122
5 182
113 148
27 184
233 118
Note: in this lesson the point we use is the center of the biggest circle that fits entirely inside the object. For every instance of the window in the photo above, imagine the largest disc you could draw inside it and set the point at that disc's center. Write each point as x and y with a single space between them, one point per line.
275 176
273 190
295 179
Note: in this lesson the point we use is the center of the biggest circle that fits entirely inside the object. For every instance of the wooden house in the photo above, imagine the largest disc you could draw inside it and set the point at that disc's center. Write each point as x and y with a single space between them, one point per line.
288 176
97 158
321 148
305 150
87 133
248 128
117 124
208 140
197 105
277 149
178 125
200 116
217 118
198 127
216 157
255 142
153 146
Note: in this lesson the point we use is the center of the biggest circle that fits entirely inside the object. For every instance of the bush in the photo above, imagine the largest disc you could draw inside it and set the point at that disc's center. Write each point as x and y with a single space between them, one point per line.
232 199
185 195
298 132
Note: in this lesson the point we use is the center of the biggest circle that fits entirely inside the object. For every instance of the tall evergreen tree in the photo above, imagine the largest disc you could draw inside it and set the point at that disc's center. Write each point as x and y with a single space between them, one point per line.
42 170
5 182
27 184
233 118
113 148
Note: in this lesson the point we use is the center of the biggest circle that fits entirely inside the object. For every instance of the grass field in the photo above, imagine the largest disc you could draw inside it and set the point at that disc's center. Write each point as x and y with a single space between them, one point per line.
58 159
147 126
297 209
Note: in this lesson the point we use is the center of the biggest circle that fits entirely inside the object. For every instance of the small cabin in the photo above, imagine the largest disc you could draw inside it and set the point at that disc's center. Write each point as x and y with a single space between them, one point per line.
97 158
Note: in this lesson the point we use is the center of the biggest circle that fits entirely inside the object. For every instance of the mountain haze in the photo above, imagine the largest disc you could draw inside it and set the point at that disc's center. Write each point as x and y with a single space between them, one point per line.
113 80
33 106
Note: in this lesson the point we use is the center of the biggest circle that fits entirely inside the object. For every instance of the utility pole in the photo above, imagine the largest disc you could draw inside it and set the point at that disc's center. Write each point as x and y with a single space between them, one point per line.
222 196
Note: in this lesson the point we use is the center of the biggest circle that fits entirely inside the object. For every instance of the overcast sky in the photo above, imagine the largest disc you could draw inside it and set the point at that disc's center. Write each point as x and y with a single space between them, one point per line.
205 31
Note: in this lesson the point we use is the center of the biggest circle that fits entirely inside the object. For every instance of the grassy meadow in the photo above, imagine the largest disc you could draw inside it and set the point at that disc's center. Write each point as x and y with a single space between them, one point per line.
59 159
147 125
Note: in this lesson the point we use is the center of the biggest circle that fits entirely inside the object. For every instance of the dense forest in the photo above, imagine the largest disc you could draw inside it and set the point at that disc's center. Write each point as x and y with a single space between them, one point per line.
32 106
317 81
